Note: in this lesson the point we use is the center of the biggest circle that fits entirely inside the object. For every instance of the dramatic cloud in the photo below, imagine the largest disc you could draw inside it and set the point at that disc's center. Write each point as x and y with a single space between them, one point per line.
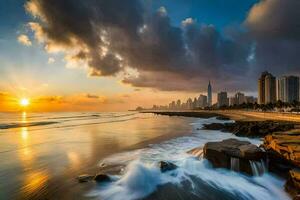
110 37
23 39
275 27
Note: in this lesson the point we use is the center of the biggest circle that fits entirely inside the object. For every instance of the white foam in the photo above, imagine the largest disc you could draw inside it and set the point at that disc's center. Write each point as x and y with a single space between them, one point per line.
142 175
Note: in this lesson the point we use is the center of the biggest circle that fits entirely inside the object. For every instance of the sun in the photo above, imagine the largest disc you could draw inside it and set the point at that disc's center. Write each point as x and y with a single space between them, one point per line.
24 102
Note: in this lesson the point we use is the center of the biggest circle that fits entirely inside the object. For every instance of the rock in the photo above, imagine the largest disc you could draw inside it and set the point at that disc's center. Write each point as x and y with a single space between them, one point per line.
102 178
84 178
214 126
251 128
223 154
283 150
166 166
297 197
222 118
292 185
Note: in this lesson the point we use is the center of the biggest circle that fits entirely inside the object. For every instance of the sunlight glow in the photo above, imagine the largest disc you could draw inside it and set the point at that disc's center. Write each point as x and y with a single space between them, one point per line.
24 102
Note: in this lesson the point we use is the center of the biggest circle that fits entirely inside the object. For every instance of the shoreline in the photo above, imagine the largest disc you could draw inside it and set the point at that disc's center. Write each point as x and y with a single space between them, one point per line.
237 115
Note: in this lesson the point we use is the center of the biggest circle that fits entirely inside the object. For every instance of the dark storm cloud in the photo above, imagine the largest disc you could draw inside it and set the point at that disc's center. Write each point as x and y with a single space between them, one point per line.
275 19
110 36
274 25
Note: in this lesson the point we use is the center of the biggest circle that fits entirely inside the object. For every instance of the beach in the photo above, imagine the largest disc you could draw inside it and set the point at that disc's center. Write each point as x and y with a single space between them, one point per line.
127 147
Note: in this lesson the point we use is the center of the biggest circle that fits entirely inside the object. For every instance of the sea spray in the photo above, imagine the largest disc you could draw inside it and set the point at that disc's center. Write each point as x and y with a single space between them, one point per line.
142 176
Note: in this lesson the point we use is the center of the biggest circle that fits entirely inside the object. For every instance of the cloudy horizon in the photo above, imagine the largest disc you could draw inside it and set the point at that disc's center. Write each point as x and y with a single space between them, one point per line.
110 55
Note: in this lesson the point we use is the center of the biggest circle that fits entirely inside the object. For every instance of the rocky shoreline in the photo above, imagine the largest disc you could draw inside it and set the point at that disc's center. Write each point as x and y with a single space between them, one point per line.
279 153
280 150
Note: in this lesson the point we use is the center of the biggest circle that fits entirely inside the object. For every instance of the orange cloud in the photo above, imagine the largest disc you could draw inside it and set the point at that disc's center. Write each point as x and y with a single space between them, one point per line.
23 39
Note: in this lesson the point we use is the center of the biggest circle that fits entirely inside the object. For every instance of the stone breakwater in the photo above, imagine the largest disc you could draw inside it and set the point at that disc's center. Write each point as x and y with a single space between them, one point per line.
251 128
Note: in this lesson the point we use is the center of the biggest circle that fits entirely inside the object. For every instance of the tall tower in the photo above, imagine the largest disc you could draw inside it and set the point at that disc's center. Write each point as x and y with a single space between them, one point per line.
209 94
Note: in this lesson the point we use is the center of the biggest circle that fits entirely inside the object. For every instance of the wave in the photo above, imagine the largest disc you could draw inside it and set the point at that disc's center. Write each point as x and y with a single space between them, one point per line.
193 179
27 124
196 176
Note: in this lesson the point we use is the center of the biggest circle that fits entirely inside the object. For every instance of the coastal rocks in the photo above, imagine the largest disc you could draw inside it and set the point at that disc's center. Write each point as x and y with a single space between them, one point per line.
283 151
292 185
100 178
224 118
251 128
216 126
166 166
234 154
85 178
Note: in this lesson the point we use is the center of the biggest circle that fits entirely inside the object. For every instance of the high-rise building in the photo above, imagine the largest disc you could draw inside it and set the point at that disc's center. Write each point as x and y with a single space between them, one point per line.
281 85
232 101
240 98
250 99
209 94
178 104
189 103
202 101
288 89
222 99
266 88
270 89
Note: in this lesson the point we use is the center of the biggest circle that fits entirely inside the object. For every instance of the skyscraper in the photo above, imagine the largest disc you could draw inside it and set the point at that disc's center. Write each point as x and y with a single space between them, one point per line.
266 88
288 89
222 99
209 94
240 98
202 100
270 89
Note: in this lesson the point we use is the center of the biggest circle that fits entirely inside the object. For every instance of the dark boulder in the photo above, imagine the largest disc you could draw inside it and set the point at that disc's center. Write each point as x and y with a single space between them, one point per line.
231 152
292 185
222 118
102 178
166 166
84 178
214 126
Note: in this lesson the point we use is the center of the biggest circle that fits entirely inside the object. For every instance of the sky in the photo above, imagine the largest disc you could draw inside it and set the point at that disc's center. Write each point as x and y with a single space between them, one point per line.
99 55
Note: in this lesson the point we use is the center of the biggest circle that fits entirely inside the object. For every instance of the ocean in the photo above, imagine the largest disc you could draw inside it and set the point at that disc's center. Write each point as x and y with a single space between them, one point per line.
42 154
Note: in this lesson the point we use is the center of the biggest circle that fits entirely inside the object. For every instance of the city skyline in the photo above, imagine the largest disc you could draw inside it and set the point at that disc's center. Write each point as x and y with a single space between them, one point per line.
64 56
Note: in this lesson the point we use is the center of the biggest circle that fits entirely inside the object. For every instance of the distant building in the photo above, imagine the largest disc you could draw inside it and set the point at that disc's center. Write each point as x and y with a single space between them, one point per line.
209 94
232 101
288 89
178 104
266 88
250 99
202 101
189 103
240 98
222 99
270 89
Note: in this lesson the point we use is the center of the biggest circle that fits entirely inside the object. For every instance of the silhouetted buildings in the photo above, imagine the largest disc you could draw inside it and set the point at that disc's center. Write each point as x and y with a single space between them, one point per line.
222 99
266 88
202 100
270 90
288 89
209 94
